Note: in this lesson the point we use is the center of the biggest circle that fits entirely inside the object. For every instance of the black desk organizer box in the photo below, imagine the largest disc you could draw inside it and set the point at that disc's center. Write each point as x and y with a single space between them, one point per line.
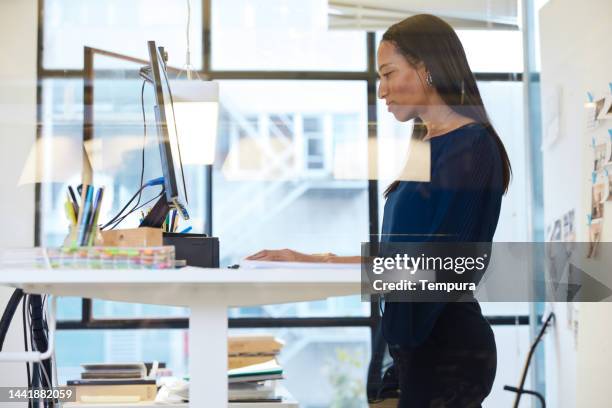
197 249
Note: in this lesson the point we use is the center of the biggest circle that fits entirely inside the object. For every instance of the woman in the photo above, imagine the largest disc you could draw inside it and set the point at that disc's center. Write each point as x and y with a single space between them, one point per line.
445 352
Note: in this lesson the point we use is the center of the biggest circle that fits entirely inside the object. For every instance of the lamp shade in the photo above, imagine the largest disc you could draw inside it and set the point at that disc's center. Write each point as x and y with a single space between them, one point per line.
53 159
196 113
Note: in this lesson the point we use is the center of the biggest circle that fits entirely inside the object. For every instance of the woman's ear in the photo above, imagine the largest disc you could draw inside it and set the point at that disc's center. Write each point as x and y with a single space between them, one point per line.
424 77
428 79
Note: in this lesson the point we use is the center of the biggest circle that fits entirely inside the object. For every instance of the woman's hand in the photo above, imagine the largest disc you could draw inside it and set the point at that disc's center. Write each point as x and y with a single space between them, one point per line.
286 255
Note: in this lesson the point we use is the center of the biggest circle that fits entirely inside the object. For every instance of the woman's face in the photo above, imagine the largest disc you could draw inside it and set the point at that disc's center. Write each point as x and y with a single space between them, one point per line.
402 85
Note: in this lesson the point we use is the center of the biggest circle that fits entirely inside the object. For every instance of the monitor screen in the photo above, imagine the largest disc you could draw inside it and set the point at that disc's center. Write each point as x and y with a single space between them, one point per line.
168 139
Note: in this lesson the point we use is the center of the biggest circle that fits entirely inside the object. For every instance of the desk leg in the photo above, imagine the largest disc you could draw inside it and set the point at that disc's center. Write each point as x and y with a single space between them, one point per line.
208 356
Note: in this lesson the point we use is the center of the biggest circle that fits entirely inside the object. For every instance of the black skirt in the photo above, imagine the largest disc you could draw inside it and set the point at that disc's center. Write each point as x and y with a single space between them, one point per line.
455 366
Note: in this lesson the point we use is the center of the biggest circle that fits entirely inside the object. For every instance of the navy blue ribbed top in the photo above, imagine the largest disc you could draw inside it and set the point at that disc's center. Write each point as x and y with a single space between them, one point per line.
461 202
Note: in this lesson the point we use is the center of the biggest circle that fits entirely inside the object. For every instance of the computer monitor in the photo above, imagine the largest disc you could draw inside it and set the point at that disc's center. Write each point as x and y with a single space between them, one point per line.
168 140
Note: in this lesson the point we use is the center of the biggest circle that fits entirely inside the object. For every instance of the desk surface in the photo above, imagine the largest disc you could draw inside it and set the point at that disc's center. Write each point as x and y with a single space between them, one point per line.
183 287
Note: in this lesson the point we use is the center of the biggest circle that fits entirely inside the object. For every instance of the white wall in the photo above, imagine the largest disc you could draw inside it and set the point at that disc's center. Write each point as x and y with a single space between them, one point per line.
576 58
18 27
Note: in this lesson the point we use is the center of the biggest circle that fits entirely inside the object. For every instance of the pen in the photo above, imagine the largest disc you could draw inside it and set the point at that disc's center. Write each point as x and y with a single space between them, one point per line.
88 222
186 230
94 217
70 212
75 203
86 210
77 230
173 222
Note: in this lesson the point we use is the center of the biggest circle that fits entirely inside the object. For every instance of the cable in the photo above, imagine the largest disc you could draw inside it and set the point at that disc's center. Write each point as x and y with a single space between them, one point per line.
25 342
8 314
137 208
44 372
55 376
35 369
142 168
36 381
44 303
7 317
154 182
41 367
123 209
40 341
145 73
144 140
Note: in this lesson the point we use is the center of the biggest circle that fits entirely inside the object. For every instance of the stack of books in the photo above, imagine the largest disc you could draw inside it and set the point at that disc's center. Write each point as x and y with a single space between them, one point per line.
114 383
253 368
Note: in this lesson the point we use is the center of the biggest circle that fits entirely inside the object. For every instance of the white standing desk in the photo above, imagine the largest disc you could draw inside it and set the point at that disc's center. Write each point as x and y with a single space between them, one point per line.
207 292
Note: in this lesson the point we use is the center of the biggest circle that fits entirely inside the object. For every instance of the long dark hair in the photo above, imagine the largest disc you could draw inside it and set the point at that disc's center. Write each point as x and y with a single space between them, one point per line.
427 39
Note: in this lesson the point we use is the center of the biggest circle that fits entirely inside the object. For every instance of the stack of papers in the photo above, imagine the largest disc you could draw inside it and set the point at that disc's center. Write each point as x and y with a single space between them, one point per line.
253 368
248 346
256 383
263 391
252 376
108 371
113 383
269 370
24 258
244 351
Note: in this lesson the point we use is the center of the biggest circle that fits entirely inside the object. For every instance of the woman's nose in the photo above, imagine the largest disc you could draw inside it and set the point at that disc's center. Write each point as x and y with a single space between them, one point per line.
382 91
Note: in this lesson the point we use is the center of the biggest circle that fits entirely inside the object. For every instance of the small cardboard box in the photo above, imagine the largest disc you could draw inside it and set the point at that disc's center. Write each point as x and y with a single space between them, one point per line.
133 237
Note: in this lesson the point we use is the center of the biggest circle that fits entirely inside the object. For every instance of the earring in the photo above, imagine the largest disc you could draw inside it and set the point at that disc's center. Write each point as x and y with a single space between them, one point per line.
429 79
462 91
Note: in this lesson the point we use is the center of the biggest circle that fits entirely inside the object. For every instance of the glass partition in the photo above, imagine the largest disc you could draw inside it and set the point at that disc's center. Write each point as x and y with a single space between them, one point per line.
290 168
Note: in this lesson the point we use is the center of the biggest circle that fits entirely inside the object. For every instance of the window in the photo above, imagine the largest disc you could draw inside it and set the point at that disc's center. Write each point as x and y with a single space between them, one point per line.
169 346
493 51
62 118
339 377
281 35
276 188
120 26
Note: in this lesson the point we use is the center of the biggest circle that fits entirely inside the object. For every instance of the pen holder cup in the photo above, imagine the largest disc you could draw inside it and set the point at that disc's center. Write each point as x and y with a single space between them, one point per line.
72 237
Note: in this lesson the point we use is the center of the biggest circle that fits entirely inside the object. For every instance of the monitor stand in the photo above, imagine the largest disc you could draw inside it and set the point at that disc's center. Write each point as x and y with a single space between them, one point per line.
156 217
